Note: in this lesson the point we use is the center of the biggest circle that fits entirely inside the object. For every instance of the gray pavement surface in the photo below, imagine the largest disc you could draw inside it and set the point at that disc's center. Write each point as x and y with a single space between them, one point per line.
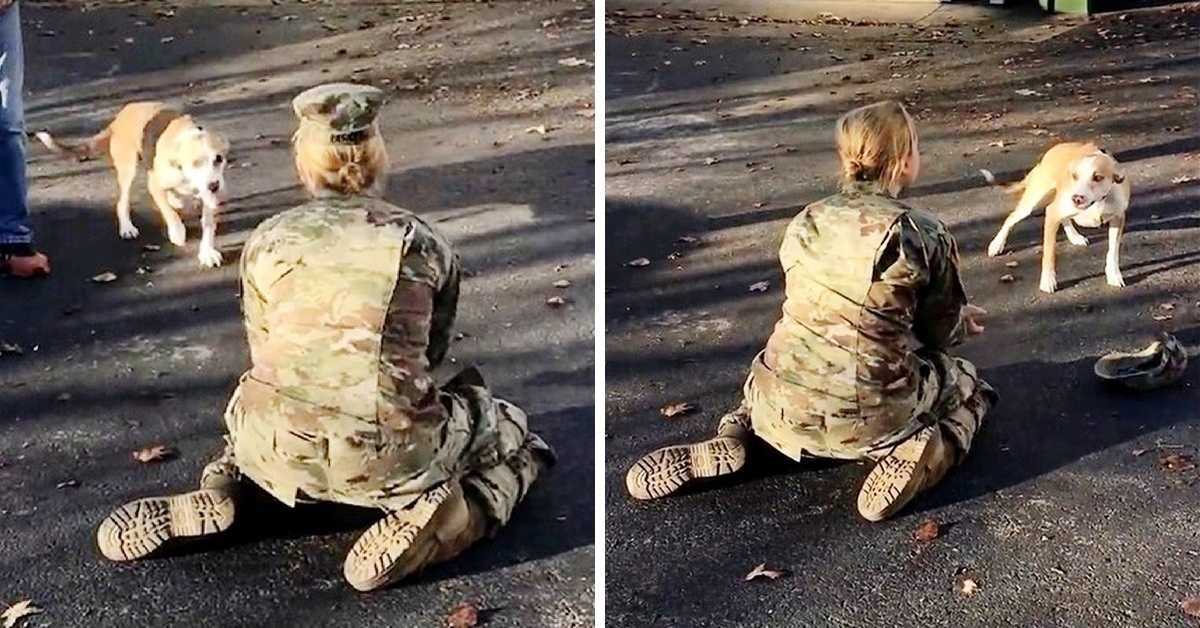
151 358
1067 512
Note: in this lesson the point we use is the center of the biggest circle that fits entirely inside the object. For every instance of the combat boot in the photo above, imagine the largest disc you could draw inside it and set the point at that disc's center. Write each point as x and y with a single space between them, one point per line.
665 471
914 465
438 526
141 527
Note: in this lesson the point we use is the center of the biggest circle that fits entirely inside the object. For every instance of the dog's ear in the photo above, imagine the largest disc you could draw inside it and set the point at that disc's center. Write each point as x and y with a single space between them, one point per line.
1118 177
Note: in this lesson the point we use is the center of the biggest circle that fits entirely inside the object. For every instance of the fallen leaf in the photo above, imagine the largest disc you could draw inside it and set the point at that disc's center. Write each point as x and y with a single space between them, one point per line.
761 571
105 277
556 301
927 531
760 286
1191 606
638 263
672 410
540 129
1176 462
1001 143
67 484
156 453
1139 452
1183 179
708 161
1027 92
1007 279
18 611
572 62
465 615
562 283
968 587
1011 264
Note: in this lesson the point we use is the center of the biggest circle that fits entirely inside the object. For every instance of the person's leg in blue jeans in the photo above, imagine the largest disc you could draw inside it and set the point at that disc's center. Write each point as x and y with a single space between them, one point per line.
17 255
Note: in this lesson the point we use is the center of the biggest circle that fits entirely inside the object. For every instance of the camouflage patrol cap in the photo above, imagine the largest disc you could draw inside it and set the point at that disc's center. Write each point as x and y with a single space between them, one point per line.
348 110
1158 365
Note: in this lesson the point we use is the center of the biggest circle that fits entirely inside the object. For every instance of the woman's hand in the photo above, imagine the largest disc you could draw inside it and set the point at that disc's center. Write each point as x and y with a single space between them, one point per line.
973 316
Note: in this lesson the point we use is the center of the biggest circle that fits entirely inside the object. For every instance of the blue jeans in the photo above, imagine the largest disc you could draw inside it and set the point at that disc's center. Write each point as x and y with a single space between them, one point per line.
15 234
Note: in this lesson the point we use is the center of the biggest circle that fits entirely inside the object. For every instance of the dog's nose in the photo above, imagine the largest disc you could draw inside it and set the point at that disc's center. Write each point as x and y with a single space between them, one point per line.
1078 199
214 187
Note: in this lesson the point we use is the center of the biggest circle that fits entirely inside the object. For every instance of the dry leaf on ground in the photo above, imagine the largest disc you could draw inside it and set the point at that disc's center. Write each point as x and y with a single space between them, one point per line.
572 62
1191 606
562 283
1007 279
760 286
638 263
675 409
105 277
967 587
1027 92
708 161
16 612
1011 264
761 571
927 531
156 453
465 615
1176 462
540 129
556 301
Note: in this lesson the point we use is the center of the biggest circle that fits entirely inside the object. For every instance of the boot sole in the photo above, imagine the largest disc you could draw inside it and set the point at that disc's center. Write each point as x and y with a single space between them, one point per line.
667 470
373 560
141 527
894 481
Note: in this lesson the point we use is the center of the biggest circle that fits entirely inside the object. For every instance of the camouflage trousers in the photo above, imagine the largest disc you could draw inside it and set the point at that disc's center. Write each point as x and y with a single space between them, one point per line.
954 398
496 458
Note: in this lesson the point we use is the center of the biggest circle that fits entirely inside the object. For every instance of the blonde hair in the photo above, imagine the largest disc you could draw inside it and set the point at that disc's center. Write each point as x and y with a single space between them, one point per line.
875 142
347 169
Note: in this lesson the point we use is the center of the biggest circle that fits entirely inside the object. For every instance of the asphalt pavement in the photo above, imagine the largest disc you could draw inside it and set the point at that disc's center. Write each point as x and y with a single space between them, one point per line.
1070 510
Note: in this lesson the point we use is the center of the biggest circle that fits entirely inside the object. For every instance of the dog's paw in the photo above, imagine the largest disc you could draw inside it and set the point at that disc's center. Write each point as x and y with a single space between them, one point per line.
210 257
128 231
1078 239
996 247
177 234
1115 279
1049 283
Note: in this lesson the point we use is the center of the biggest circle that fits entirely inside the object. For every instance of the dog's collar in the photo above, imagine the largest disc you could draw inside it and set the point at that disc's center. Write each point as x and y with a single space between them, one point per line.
351 138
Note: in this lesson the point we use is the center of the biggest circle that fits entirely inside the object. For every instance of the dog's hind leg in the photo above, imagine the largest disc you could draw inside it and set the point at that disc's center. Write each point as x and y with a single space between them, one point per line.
1031 198
125 163
1112 262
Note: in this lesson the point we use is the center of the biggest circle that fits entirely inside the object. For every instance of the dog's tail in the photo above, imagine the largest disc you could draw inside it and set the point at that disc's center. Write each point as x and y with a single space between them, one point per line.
1011 188
94 146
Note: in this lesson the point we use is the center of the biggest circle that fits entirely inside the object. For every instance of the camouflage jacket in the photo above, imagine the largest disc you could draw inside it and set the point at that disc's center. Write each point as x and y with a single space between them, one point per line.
871 285
348 305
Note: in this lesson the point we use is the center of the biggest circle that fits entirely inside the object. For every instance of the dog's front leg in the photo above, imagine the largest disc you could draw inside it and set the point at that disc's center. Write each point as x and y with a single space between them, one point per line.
1073 235
1112 263
209 256
1049 281
176 232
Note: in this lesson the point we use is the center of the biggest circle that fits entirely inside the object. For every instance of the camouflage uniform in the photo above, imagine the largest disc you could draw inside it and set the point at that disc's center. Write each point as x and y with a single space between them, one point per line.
858 360
348 306
857 364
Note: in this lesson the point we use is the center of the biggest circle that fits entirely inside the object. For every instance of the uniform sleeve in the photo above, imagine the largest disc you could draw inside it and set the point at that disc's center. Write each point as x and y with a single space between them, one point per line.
445 309
938 319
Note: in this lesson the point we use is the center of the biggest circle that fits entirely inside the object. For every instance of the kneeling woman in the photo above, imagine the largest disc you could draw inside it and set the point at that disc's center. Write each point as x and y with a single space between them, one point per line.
857 367
348 304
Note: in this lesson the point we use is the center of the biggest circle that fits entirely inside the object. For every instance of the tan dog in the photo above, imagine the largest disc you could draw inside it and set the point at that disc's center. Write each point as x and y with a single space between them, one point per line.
1090 190
185 167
